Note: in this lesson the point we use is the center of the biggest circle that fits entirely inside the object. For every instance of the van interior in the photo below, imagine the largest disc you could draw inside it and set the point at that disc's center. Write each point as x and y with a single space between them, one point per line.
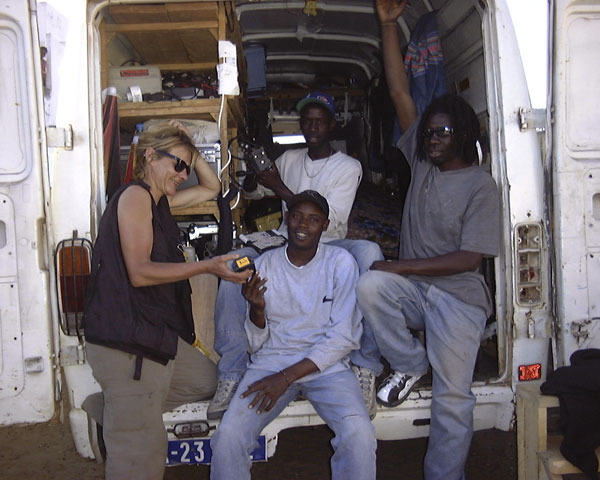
162 58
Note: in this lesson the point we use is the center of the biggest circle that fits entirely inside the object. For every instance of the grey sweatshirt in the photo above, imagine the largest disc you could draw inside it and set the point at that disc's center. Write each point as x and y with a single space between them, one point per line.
311 312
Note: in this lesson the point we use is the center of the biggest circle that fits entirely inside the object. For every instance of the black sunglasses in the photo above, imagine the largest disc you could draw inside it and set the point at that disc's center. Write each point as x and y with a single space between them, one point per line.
441 132
180 165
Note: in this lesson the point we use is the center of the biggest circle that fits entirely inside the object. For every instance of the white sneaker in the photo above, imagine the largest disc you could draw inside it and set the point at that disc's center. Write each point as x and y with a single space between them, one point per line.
220 401
366 380
395 388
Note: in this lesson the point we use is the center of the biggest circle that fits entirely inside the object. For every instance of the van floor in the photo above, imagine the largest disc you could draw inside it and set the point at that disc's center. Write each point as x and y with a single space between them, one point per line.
376 216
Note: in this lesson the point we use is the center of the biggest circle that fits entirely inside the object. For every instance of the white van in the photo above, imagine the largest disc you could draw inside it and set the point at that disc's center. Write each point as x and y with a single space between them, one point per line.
55 60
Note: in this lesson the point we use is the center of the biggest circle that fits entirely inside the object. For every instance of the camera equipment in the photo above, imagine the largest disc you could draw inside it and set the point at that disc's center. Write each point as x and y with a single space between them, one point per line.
259 160
244 263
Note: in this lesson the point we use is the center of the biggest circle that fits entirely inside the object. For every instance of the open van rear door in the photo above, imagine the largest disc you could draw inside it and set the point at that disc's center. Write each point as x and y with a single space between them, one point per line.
26 345
576 175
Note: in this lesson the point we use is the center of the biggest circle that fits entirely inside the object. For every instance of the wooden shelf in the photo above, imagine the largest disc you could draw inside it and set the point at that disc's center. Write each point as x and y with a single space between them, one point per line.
178 37
131 113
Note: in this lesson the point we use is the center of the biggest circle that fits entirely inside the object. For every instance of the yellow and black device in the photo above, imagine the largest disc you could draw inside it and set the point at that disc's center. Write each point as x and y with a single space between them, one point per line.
243 263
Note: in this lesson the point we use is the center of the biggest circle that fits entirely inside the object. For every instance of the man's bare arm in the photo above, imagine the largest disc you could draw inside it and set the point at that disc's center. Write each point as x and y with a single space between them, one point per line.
389 11
449 264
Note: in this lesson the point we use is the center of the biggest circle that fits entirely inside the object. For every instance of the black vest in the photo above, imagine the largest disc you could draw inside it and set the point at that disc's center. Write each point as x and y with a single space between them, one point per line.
145 321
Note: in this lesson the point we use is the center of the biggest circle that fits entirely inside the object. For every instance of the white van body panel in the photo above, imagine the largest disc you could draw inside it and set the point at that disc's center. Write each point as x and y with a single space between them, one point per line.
72 101
576 175
517 168
48 193
27 371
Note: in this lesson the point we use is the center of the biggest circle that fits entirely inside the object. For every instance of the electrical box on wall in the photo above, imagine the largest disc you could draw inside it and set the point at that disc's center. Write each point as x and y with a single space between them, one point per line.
146 77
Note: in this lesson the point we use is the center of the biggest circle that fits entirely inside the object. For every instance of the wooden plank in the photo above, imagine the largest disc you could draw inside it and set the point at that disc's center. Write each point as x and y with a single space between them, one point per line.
554 461
191 31
206 208
204 294
169 109
198 48
233 33
138 13
182 42
186 67
236 116
159 27
180 12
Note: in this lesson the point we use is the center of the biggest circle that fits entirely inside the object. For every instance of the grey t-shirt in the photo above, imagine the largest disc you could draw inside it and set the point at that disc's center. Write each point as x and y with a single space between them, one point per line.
446 212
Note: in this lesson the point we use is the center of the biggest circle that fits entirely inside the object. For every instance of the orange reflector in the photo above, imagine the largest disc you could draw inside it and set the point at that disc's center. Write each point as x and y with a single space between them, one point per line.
530 372
74 272
73 268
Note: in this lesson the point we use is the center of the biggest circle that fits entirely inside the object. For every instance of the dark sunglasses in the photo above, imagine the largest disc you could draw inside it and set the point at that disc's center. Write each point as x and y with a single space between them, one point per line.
441 132
180 165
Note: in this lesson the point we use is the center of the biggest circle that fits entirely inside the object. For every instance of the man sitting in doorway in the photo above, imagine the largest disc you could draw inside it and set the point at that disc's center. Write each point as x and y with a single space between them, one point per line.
334 175
450 221
302 322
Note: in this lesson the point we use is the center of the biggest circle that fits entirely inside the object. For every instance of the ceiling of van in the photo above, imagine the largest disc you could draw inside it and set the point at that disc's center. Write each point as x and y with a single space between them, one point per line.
327 44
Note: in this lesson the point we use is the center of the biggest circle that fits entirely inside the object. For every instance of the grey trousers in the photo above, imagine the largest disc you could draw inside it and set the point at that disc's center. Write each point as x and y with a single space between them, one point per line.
134 433
393 305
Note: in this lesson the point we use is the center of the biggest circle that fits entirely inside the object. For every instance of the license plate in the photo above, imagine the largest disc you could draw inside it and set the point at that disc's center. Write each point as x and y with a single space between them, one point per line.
196 451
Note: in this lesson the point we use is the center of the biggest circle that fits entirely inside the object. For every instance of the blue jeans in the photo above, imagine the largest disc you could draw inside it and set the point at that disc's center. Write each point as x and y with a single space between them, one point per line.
392 305
336 397
231 342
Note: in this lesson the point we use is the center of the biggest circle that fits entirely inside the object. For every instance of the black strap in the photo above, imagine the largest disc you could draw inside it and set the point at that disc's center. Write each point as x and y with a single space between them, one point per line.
138 367
225 233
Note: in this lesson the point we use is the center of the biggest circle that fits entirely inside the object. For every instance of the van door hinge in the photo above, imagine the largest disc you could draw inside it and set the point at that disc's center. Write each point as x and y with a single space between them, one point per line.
33 364
60 137
580 330
532 119
72 355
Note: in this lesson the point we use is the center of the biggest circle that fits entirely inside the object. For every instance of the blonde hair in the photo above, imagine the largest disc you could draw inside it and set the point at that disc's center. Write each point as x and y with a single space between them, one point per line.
162 136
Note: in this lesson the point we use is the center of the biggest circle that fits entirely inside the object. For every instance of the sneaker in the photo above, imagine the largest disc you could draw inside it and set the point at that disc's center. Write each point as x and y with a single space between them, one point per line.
220 401
366 380
395 388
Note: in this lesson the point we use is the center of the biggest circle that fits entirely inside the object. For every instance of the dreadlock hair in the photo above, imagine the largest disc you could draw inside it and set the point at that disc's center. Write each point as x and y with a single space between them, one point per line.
464 123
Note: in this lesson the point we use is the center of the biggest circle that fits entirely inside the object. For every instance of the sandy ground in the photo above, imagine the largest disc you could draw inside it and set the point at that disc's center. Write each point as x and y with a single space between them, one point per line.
47 452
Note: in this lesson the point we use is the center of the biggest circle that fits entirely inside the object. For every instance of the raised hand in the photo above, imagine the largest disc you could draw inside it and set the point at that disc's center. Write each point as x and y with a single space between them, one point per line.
390 10
254 291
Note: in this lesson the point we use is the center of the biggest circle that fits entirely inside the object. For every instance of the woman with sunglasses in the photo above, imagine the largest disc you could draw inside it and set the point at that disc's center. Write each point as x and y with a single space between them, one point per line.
138 317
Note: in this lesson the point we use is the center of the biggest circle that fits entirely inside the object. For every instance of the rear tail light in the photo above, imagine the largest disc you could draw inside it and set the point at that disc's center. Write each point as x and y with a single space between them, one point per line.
530 372
529 281
73 267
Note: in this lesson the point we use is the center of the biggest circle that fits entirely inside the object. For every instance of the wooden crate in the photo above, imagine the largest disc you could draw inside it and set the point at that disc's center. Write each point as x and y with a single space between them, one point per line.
539 457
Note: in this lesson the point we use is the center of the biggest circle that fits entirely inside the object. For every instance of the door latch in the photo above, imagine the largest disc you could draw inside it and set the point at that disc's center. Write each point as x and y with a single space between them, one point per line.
532 119
60 137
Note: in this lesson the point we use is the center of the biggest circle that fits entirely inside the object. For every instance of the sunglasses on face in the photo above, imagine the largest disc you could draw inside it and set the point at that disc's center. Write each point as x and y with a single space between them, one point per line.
441 132
180 165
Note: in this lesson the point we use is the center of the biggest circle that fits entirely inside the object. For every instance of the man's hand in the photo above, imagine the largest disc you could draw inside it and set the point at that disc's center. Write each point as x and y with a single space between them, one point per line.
390 10
385 266
254 291
270 178
268 390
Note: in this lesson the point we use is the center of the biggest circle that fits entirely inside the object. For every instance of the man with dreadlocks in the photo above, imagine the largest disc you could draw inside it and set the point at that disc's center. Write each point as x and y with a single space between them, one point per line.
450 222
